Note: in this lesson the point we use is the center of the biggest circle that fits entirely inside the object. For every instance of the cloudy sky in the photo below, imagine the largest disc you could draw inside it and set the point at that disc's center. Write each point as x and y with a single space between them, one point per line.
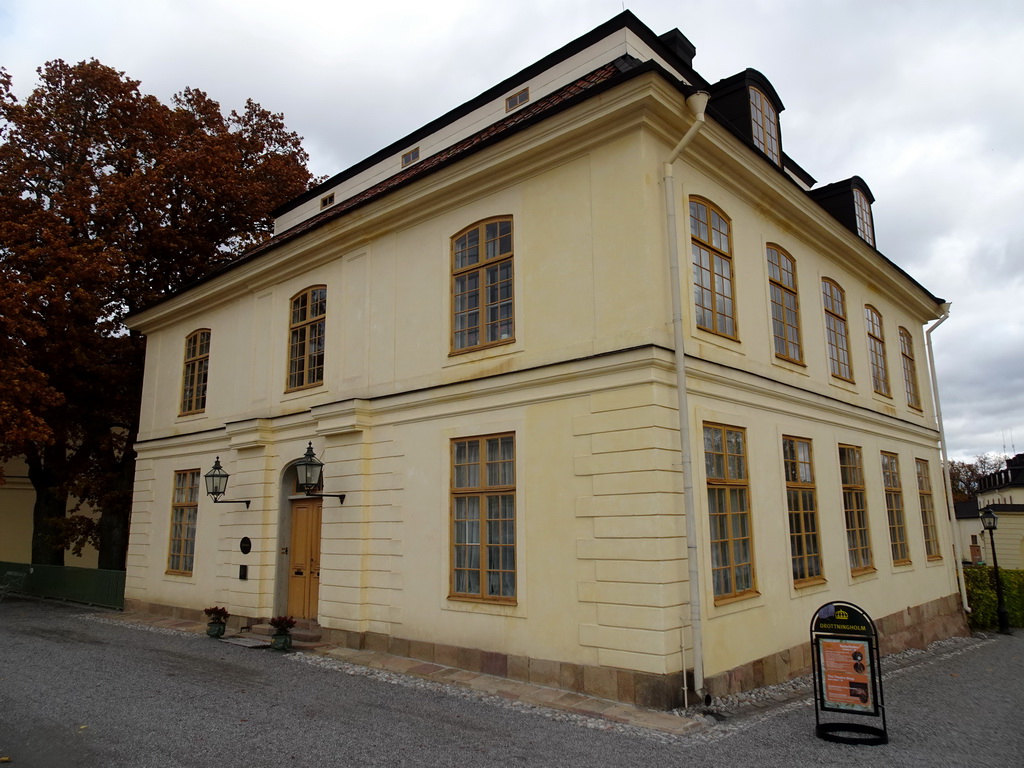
921 98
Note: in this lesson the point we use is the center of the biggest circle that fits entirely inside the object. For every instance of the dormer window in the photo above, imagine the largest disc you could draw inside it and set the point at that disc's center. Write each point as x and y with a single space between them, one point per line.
764 125
862 209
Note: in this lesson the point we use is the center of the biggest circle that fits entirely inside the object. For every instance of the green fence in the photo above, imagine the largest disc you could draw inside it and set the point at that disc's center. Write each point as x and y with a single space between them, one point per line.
79 585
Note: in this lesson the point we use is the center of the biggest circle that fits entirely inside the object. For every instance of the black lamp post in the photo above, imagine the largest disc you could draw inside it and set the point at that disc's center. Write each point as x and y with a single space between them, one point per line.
309 470
217 484
988 521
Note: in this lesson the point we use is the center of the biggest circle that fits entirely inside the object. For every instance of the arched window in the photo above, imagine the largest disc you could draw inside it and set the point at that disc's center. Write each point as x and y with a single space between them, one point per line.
836 330
862 209
765 125
483 308
909 369
712 269
876 351
785 308
306 338
194 377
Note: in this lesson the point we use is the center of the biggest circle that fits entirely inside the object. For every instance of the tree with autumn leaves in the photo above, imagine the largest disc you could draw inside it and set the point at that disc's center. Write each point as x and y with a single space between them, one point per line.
965 476
109 201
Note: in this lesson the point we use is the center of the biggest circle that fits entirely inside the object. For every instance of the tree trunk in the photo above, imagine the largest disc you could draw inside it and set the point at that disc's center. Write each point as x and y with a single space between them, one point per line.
51 502
114 540
116 518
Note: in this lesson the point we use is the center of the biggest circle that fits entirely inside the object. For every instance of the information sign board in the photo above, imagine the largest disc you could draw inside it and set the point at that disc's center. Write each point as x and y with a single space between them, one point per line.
846 673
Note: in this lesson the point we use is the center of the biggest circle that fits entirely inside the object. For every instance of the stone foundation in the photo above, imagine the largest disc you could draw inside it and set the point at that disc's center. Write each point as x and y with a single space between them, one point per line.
914 627
641 689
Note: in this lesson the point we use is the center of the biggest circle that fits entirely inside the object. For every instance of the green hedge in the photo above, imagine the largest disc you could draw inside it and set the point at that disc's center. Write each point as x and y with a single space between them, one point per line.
981 595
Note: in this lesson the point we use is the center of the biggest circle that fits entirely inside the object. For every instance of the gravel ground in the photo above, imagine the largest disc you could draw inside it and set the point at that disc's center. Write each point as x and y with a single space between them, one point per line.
80 691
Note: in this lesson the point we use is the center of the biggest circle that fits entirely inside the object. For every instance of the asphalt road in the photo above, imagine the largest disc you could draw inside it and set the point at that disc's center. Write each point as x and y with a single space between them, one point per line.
78 693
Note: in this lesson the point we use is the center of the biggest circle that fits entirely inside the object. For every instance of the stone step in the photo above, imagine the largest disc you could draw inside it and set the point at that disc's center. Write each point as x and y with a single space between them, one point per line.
299 635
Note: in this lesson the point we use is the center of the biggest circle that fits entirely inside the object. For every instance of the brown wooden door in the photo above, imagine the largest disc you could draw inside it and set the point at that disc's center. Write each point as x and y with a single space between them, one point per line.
304 559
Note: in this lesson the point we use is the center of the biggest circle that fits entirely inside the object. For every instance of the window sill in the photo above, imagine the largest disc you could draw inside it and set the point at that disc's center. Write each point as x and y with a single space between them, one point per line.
797 366
861 572
816 582
902 563
715 337
465 604
733 599
483 600
499 349
482 347
297 391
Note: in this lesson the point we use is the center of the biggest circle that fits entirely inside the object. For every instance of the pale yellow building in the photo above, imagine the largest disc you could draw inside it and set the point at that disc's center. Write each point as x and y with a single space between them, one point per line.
17 498
474 330
1003 493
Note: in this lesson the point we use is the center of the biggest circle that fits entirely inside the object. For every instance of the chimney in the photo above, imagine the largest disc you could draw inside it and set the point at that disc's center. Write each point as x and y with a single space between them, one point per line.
676 42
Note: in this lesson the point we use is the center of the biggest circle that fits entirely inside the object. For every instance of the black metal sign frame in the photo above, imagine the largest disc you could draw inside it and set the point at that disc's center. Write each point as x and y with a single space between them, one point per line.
847 673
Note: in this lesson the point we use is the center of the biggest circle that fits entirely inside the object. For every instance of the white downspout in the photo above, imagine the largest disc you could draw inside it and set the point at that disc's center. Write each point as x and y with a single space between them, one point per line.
945 457
697 103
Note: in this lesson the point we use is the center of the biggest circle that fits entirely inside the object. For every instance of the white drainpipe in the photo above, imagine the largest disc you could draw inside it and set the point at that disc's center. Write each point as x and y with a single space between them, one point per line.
697 103
945 458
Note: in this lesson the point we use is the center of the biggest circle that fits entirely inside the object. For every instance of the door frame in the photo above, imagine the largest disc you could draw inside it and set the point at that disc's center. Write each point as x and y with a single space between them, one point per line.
282 559
315 535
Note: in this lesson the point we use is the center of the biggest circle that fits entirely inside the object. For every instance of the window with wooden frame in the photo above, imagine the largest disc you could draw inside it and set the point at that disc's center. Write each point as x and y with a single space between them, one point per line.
483 306
765 125
802 504
410 157
862 210
836 330
517 99
909 369
483 518
196 372
785 308
184 513
855 510
924 495
732 537
894 508
712 269
876 351
306 338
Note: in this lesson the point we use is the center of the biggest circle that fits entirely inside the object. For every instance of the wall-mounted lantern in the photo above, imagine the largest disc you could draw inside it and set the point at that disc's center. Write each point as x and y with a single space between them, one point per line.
309 471
217 484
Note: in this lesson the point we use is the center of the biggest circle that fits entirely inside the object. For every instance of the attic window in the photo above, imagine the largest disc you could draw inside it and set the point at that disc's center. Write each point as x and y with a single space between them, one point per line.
862 208
516 99
327 201
765 124
410 157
